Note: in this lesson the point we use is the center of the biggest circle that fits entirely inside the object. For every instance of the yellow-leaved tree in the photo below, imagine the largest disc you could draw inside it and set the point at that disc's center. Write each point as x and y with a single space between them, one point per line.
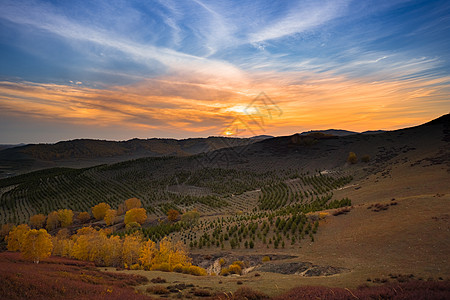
99 211
65 217
37 221
148 254
138 215
113 251
132 203
172 215
131 248
86 244
62 246
52 221
83 217
16 237
37 245
172 253
110 216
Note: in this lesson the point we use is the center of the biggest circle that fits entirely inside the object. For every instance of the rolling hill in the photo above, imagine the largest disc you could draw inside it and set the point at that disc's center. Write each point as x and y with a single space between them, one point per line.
87 152
383 218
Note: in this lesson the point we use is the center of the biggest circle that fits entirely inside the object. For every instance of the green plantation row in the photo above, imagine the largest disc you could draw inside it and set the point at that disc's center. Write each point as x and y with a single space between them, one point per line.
150 180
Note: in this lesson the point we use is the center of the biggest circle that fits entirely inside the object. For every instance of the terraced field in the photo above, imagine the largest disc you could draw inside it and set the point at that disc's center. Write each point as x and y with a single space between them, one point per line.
211 191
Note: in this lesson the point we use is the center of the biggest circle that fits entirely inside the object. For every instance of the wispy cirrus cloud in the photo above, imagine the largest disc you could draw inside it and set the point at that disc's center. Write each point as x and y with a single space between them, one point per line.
44 17
183 68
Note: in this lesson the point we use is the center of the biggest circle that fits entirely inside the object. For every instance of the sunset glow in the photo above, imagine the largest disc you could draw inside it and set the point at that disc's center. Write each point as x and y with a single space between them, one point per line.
190 68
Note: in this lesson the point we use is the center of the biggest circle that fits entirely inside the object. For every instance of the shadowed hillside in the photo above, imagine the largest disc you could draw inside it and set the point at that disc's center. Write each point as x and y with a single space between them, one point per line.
86 152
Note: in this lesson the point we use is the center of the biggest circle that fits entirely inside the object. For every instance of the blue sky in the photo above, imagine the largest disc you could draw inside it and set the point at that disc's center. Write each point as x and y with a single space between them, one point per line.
124 69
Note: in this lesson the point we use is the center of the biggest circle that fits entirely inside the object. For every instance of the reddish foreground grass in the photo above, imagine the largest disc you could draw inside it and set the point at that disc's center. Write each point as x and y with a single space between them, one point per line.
416 290
60 278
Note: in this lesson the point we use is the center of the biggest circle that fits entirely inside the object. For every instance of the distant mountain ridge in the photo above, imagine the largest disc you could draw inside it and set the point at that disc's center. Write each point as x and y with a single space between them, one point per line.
341 132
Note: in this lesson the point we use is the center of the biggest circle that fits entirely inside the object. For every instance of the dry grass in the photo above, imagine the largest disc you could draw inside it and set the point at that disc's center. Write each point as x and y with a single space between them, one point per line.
411 290
58 278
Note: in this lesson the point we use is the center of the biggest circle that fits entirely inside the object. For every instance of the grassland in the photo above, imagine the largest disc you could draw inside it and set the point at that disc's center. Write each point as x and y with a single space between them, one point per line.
320 220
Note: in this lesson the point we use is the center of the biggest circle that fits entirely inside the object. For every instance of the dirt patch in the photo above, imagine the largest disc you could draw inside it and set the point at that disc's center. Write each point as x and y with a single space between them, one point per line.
205 261
306 269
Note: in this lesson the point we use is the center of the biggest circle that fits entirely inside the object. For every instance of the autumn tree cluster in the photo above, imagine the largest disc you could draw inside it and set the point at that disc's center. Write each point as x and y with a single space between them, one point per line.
89 244
32 243
130 251
134 214
55 219
100 246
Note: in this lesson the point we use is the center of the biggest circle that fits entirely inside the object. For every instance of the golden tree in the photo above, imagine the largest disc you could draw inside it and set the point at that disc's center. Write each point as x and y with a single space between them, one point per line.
131 249
52 221
86 244
172 215
37 245
16 237
83 217
62 246
148 254
132 203
65 217
92 245
99 211
63 233
113 251
172 253
138 215
37 221
110 216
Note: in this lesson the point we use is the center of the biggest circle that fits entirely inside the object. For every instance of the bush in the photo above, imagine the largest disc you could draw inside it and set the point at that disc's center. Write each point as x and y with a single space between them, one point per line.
197 271
235 269
225 271
365 158
239 263
158 280
323 215
158 290
266 258
352 158
202 293
178 268
165 267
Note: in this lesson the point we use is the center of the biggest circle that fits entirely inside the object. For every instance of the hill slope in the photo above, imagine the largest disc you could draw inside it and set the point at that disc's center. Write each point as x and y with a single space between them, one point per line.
86 152
397 226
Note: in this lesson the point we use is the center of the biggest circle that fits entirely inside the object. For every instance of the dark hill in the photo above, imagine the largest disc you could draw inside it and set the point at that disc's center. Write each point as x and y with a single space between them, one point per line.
318 150
88 152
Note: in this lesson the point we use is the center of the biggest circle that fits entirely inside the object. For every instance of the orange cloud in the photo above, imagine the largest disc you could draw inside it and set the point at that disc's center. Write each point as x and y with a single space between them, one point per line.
208 106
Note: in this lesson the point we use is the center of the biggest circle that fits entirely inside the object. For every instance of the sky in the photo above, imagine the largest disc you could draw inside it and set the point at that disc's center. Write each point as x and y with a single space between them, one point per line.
118 70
